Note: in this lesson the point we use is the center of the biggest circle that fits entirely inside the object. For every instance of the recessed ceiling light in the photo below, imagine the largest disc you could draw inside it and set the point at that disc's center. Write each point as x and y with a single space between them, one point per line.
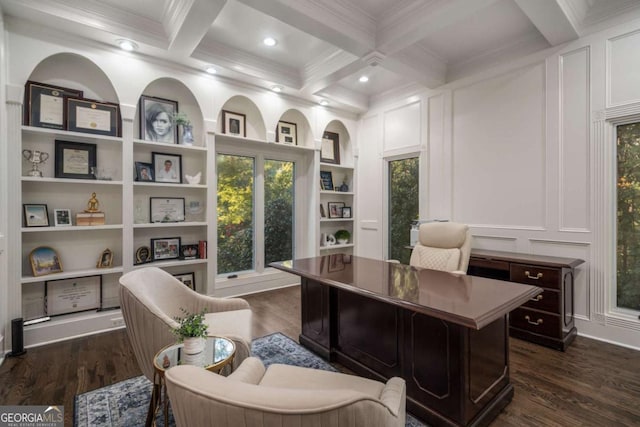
363 79
324 102
276 88
127 45
211 69
270 41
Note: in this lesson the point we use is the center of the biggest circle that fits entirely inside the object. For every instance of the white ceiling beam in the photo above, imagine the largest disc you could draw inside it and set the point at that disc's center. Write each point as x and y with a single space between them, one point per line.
322 82
190 26
550 19
346 98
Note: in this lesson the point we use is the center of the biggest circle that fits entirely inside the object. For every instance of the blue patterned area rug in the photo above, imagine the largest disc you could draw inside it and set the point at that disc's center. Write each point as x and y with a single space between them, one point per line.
125 404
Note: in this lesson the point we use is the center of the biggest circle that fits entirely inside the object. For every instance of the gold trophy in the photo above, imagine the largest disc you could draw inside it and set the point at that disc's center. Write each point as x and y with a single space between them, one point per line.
35 157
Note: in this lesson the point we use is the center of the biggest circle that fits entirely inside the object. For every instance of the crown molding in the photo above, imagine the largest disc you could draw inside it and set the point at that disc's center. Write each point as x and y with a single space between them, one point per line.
331 61
194 25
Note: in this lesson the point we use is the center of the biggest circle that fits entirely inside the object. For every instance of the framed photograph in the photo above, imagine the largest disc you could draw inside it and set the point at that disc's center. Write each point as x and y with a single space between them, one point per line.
330 150
156 119
189 251
167 167
234 123
62 217
287 133
346 212
143 255
44 260
105 260
166 209
35 215
89 116
165 248
326 180
144 172
72 295
335 209
44 104
322 212
75 160
189 279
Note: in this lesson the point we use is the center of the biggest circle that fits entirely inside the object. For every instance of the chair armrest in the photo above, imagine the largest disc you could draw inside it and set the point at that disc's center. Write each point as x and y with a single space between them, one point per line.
460 272
214 305
250 371
393 396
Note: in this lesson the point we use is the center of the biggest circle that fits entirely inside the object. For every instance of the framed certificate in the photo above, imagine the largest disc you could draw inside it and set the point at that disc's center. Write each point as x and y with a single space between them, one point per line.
75 160
88 116
166 209
45 104
330 149
72 295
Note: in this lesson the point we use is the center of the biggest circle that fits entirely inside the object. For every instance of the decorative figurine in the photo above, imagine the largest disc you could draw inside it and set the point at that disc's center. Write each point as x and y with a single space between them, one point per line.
93 204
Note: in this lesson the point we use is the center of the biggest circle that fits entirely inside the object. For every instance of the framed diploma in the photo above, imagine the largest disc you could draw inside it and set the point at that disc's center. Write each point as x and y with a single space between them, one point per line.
330 148
88 116
45 104
72 295
75 160
166 209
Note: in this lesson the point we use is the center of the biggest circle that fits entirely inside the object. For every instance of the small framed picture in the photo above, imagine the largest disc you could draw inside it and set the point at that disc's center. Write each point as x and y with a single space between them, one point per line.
234 123
143 255
62 217
106 259
144 172
287 133
76 160
89 116
167 167
166 209
335 209
45 104
189 251
36 215
322 212
189 279
330 150
157 119
165 248
44 260
326 180
346 212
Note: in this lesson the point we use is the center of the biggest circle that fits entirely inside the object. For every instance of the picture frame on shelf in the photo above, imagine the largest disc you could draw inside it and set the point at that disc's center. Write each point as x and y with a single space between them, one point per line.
105 260
167 167
234 123
189 251
75 160
287 133
326 180
95 117
166 209
73 295
62 217
165 248
346 212
143 255
35 215
45 104
335 209
156 119
330 148
144 172
322 212
44 260
189 279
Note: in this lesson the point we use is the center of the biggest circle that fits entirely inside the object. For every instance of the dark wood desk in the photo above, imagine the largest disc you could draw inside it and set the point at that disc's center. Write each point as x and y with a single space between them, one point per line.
445 334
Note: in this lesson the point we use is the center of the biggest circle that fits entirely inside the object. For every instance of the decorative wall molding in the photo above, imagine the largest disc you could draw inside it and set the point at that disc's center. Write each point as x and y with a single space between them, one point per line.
559 242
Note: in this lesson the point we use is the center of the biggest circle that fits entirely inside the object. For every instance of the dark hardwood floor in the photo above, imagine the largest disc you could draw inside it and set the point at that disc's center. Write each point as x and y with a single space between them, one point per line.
591 384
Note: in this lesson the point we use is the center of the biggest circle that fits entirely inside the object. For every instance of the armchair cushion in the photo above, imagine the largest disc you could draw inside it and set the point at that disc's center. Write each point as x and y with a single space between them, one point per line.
435 258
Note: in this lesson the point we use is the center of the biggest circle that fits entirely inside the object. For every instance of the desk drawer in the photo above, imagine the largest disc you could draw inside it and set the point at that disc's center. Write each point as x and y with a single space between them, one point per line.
536 321
537 276
548 300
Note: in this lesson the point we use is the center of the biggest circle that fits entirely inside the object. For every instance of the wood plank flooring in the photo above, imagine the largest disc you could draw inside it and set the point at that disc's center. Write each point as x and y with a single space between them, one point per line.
591 384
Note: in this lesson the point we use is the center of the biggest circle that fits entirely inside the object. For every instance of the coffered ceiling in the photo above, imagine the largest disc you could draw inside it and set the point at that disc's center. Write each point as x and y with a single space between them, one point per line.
323 47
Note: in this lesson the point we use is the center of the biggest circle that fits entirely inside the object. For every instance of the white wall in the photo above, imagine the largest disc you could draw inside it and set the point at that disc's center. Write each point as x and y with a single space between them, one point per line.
3 200
524 153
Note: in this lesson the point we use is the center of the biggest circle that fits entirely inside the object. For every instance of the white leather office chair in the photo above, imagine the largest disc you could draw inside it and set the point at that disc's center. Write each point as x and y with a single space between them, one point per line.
444 246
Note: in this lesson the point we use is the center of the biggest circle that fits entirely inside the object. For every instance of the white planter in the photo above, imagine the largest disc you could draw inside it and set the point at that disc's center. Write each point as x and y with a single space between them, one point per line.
194 345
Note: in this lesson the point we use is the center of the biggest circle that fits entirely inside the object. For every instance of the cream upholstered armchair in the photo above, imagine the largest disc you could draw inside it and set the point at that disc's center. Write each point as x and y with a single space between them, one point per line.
442 246
151 298
282 395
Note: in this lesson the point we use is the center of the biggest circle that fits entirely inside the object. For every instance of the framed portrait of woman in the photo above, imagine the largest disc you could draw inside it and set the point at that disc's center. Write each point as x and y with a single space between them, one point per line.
157 120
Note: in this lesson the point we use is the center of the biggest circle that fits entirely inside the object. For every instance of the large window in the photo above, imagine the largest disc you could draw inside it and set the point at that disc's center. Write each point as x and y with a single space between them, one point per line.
255 212
403 205
628 210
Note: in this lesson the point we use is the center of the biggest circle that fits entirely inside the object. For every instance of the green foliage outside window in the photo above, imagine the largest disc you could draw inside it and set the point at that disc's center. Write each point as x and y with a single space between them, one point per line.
403 205
278 210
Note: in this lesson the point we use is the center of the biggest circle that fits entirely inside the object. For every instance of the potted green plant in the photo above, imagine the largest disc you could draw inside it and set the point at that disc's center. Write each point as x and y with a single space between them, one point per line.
342 236
181 119
192 331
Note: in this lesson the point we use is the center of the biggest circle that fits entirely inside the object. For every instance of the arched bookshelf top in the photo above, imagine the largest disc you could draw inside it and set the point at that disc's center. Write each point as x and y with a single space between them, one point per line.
304 134
336 127
243 109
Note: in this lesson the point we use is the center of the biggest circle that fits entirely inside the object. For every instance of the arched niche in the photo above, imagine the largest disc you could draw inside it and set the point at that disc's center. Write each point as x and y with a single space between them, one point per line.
74 71
253 117
174 90
346 148
304 135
